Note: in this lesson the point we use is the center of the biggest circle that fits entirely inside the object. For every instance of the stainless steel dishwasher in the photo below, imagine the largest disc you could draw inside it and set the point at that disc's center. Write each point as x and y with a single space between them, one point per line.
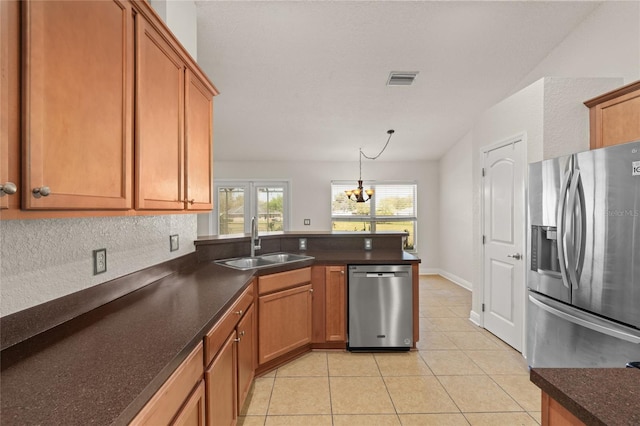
380 308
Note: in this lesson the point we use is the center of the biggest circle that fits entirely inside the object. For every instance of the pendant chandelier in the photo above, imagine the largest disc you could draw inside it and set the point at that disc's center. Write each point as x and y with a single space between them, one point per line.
359 193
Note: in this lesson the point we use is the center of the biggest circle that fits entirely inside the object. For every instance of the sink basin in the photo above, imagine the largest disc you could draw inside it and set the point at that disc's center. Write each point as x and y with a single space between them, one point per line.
283 257
264 261
246 262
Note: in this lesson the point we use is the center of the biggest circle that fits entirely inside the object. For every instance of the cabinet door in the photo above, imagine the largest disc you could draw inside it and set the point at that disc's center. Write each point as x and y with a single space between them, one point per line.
284 322
335 300
78 95
199 136
168 403
246 354
9 104
192 413
159 121
221 385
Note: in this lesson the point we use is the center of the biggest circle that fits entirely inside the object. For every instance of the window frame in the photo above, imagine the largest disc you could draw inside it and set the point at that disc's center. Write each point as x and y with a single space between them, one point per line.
251 200
372 218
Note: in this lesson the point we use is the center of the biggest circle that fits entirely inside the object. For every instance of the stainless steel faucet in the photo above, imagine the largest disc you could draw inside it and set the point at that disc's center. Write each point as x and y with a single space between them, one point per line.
255 240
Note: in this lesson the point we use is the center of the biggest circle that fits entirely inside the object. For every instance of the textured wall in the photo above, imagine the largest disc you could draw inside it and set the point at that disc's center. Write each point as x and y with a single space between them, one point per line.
41 260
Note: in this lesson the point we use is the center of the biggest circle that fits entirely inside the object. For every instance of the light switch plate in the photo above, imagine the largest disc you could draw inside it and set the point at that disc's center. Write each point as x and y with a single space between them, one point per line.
307 222
367 244
174 242
302 243
99 261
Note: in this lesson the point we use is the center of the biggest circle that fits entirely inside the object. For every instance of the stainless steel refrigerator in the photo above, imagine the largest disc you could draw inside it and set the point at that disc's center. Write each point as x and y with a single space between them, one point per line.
584 260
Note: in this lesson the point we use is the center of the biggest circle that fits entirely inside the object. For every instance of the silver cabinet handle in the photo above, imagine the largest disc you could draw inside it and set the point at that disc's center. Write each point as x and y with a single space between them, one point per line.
43 191
239 312
237 340
8 188
516 256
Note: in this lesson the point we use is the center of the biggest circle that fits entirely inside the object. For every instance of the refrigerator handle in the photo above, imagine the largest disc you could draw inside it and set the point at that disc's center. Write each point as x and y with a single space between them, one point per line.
589 321
572 235
560 221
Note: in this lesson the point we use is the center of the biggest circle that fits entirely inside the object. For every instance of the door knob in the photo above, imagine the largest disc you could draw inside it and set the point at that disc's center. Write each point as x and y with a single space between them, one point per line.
8 188
516 256
43 191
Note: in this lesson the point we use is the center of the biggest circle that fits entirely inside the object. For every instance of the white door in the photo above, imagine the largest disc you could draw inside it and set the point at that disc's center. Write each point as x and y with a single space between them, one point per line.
504 236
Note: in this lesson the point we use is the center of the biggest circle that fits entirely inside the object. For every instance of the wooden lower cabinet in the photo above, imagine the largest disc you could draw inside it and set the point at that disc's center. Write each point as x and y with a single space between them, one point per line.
554 414
230 356
192 413
180 399
284 313
329 306
246 354
222 384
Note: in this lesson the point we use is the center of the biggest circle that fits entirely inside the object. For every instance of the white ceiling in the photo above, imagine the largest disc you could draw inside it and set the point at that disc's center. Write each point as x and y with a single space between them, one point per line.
306 80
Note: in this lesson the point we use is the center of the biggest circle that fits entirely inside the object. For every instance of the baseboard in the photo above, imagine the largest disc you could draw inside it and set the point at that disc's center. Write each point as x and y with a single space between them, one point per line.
456 279
429 271
474 317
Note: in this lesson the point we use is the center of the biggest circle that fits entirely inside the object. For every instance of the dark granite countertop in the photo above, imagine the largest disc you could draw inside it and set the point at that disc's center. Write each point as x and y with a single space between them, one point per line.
103 366
597 396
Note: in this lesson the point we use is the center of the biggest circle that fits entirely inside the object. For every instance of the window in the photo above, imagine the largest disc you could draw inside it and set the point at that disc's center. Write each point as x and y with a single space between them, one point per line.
238 201
393 207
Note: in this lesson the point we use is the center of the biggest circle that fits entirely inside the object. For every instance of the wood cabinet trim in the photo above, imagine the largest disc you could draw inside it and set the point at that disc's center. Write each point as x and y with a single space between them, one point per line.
629 88
168 400
282 280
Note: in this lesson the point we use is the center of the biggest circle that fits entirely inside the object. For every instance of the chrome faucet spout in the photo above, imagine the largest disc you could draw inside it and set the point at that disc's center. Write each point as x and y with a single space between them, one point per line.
255 239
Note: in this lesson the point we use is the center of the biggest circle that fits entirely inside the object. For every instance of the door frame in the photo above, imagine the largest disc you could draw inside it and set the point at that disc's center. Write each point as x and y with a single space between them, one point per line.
520 137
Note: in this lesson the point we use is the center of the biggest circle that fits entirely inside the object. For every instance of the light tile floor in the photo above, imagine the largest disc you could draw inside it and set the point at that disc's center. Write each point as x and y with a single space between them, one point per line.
460 375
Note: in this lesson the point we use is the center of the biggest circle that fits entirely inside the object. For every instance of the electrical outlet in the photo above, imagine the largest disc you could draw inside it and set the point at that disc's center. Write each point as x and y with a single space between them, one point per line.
99 261
174 242
302 243
307 222
367 244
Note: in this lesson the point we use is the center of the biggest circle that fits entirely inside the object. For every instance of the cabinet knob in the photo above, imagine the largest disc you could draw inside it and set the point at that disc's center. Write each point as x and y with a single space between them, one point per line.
237 340
310 290
242 333
239 312
8 188
43 191
190 201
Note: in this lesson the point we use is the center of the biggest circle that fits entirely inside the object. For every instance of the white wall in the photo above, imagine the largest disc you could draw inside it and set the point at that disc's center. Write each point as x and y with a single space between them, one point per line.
605 44
456 217
44 259
181 18
311 191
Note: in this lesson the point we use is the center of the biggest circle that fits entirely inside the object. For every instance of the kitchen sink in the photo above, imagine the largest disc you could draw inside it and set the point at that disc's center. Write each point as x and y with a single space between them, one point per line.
264 261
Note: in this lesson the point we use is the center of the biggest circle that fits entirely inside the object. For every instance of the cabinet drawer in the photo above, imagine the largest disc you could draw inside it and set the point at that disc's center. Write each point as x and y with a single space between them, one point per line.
166 403
215 338
282 280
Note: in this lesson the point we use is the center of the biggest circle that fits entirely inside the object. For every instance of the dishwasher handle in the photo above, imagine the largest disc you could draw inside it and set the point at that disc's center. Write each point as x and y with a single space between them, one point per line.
386 274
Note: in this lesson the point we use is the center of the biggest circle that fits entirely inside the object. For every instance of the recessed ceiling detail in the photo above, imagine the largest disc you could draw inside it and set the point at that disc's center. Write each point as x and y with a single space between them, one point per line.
401 78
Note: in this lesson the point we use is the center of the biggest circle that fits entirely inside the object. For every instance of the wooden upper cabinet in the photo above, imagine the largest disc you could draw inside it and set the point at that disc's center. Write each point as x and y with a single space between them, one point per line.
198 143
9 105
615 116
77 103
160 74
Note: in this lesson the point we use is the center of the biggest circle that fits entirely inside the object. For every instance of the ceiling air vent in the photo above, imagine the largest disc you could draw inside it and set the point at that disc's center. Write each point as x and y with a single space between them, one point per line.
401 78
